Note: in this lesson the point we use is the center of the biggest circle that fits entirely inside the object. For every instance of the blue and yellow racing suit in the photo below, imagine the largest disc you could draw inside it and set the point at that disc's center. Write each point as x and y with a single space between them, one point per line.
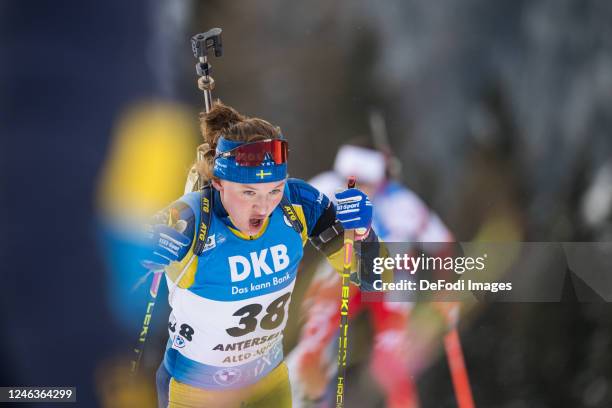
230 304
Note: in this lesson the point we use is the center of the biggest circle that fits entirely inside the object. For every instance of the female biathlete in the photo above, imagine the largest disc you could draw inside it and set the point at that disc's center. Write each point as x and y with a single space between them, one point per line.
230 297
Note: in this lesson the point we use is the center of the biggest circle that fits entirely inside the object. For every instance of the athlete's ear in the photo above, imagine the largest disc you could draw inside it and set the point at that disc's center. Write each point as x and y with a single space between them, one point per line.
217 184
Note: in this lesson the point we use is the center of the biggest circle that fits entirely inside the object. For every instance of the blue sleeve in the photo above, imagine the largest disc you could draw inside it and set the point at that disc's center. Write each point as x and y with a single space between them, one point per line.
314 203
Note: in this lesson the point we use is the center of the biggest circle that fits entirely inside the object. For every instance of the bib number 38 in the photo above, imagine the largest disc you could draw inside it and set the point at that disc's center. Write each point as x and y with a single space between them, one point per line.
275 315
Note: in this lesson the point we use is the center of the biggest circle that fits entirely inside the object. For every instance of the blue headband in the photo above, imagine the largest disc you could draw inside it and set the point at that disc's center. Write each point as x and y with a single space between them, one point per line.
226 168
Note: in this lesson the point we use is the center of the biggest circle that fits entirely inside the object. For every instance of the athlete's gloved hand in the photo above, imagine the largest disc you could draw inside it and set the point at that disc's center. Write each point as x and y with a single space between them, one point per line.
165 245
354 211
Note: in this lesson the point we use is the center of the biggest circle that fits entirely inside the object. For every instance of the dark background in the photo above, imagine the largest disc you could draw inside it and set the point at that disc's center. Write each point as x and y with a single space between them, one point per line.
499 112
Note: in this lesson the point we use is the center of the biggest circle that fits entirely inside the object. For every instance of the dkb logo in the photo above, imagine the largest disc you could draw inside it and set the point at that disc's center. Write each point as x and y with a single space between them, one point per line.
241 266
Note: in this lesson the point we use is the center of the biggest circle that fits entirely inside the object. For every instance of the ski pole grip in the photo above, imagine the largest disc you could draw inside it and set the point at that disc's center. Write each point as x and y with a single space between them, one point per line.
200 43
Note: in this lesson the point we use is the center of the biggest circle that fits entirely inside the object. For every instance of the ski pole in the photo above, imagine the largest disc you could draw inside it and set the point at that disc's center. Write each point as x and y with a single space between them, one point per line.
138 350
349 239
171 221
200 43
458 370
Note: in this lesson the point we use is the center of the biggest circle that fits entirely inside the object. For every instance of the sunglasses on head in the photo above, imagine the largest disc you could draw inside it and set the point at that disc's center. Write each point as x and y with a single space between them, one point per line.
255 153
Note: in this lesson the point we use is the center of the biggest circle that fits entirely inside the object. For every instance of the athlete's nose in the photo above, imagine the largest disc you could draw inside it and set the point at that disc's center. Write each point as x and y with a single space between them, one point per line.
260 206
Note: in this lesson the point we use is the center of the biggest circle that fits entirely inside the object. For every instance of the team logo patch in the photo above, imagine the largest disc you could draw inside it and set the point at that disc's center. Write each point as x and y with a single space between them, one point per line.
179 342
227 376
210 243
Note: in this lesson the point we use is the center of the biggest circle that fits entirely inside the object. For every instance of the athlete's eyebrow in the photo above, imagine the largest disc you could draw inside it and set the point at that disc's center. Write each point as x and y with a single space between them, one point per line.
252 187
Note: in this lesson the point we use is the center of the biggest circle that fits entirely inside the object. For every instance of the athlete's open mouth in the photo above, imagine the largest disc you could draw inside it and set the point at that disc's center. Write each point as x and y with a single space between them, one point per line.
255 222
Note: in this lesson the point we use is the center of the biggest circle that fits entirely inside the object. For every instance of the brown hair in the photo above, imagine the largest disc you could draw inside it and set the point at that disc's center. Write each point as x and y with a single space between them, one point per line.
223 120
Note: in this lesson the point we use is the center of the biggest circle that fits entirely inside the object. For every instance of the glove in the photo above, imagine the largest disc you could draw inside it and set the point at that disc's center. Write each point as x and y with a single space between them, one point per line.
354 210
165 245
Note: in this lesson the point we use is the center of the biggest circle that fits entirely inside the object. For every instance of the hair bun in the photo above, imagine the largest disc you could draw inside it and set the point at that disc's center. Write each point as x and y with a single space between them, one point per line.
223 120
220 118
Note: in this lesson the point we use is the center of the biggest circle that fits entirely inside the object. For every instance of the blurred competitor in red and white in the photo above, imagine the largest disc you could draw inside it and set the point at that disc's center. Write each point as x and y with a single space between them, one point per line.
399 216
